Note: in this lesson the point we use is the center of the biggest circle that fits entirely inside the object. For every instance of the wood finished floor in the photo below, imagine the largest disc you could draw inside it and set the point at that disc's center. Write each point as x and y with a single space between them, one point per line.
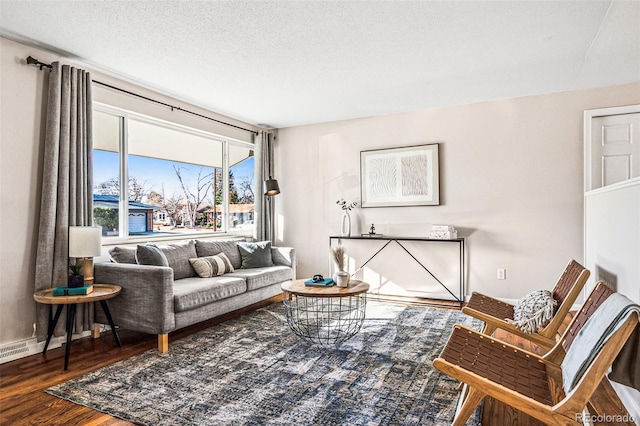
23 381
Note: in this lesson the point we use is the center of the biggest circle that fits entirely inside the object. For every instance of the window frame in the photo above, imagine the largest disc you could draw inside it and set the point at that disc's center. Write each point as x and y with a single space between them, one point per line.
124 116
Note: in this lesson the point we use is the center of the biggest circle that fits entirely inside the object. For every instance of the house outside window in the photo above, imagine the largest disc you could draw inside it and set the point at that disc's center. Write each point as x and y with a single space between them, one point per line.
180 180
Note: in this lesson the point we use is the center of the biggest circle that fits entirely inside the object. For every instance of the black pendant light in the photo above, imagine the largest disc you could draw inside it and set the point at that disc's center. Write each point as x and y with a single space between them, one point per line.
271 187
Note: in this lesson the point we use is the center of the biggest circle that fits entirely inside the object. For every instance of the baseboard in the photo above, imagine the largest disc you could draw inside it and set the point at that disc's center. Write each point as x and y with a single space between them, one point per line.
27 347
509 301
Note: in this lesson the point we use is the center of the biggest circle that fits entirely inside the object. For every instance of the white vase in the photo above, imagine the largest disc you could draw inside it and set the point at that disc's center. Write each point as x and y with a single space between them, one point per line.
345 225
341 278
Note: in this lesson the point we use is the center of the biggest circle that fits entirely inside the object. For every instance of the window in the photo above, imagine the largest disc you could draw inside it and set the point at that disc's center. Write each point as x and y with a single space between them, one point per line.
180 180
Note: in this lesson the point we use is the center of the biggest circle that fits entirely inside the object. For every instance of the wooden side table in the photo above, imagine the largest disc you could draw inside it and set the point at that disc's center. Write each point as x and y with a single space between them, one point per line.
325 315
101 292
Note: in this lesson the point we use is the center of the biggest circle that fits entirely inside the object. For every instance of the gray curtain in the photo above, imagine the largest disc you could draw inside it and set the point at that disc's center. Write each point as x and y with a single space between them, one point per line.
263 205
67 175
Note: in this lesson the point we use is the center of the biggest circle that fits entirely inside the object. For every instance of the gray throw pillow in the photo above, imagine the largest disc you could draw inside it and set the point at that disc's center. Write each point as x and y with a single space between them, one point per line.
178 255
206 248
212 266
123 255
256 255
150 254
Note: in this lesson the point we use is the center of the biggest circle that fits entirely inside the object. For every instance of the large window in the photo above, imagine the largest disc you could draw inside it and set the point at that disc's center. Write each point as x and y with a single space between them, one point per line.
179 180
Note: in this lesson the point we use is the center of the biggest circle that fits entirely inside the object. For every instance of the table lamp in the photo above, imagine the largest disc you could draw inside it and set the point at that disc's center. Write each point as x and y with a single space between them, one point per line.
85 244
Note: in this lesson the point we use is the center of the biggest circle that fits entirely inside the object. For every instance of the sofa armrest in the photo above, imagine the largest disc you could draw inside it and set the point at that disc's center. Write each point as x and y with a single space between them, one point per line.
284 256
146 300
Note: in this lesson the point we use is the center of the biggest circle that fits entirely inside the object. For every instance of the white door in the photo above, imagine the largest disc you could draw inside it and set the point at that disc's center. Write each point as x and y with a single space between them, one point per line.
615 149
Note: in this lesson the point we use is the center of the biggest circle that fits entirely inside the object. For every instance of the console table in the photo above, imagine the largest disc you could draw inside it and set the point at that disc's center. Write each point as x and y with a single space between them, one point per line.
399 240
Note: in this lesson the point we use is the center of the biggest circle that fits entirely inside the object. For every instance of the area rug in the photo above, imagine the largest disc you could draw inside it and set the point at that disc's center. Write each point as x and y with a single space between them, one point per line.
254 371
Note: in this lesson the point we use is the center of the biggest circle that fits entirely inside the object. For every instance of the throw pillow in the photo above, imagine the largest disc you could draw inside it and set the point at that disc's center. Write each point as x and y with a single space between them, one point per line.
256 255
229 247
212 266
150 254
178 255
123 255
533 311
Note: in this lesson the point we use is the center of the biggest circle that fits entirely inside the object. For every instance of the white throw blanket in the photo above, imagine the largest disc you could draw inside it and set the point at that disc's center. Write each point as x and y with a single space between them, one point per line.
604 322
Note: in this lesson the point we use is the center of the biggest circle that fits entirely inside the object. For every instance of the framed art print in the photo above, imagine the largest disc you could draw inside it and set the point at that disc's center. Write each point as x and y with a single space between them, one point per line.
394 177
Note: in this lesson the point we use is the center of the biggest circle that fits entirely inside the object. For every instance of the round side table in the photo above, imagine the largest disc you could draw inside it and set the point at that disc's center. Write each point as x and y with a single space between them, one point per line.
325 315
100 293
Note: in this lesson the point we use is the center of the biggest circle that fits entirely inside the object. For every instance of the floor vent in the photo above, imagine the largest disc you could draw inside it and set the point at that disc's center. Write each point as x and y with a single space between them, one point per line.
8 351
26 347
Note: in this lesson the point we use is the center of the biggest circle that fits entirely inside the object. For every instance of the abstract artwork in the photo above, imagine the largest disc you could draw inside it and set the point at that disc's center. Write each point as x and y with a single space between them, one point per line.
406 176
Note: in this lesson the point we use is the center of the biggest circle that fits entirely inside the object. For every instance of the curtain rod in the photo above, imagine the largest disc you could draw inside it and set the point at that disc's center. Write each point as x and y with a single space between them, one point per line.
33 61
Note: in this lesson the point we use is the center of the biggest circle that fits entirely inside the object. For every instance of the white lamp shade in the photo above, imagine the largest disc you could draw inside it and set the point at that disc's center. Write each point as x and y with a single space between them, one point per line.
85 241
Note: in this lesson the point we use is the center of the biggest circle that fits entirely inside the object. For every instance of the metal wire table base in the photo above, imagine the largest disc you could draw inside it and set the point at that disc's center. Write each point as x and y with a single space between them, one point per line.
325 320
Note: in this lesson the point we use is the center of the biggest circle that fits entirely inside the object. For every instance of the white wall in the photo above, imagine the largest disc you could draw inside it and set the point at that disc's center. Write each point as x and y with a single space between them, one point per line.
22 110
612 237
511 176
612 250
21 119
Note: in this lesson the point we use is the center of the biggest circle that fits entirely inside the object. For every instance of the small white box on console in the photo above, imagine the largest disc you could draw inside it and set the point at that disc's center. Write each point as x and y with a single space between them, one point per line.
443 235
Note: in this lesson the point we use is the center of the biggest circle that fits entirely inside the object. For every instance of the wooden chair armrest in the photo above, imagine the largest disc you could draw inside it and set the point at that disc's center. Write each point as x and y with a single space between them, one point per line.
493 323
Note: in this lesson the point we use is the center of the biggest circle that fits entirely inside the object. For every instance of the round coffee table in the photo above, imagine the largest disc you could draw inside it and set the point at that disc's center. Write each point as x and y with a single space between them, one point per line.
100 293
325 315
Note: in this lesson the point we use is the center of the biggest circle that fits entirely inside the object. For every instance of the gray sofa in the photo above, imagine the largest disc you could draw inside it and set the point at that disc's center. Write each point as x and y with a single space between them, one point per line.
160 299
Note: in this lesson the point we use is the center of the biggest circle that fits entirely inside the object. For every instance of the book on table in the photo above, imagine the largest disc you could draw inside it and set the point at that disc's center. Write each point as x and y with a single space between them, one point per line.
73 291
325 282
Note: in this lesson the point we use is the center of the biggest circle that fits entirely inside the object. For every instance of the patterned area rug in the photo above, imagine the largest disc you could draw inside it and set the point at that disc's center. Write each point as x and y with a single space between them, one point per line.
254 371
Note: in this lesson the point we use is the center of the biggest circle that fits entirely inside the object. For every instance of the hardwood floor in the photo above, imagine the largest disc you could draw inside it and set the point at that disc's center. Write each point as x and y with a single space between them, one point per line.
23 381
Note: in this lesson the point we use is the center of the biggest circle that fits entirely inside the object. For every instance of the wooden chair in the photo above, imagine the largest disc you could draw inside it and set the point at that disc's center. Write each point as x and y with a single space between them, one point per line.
523 380
493 311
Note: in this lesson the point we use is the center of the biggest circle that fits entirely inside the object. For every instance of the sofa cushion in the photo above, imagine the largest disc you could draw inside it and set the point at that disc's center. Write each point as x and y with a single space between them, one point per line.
178 255
255 255
211 266
191 293
213 247
123 255
263 277
150 254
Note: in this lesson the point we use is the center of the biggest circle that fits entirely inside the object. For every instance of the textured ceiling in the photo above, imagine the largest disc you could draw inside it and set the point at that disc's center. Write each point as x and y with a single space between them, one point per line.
287 63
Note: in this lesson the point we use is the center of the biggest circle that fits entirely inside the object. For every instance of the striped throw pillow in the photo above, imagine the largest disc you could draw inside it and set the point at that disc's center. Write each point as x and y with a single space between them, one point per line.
212 266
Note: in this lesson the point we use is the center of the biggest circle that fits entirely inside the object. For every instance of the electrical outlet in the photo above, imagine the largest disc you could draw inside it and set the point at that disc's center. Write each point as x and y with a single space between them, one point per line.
502 274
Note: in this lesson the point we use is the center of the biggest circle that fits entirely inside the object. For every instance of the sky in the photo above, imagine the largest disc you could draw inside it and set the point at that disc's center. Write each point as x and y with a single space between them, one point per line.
152 173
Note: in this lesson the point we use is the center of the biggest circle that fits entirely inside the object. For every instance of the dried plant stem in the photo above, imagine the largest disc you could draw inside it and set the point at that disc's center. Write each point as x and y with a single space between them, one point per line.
338 256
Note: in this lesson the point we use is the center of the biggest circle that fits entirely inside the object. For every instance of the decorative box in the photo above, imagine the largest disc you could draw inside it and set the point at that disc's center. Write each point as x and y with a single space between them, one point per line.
443 235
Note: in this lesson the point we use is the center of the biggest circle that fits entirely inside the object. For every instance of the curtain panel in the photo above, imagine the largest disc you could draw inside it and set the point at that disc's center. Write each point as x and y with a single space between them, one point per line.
264 209
67 174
